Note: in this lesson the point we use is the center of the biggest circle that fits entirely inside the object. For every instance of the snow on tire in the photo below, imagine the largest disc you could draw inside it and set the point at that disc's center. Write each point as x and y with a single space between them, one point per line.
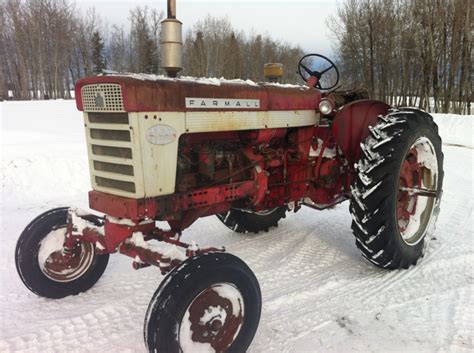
210 303
397 190
39 264
242 221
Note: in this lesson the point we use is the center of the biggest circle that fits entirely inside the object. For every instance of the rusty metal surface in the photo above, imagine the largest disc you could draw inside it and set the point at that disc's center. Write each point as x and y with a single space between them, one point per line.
169 95
61 268
168 206
411 176
221 331
283 98
351 124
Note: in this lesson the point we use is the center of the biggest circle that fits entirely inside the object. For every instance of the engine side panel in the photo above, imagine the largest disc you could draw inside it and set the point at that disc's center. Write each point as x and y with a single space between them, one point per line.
136 154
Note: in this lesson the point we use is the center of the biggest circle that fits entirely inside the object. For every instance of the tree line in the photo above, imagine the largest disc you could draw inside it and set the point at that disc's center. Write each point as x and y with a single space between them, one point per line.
405 52
408 52
46 45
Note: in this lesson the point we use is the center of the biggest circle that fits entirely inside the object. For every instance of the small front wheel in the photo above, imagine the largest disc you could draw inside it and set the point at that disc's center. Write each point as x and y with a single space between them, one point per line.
211 302
42 268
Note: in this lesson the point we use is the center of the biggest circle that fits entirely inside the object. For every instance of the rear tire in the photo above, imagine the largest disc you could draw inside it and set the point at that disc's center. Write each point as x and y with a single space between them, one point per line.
211 302
31 249
401 158
252 222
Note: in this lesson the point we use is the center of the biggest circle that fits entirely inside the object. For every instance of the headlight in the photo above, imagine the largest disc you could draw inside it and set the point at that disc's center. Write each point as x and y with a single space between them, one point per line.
326 107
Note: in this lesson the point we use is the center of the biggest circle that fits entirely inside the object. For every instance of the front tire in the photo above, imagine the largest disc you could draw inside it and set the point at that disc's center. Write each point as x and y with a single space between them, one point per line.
211 302
397 191
38 262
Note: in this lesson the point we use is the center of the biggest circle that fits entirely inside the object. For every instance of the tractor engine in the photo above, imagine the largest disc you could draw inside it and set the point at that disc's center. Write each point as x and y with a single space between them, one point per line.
231 156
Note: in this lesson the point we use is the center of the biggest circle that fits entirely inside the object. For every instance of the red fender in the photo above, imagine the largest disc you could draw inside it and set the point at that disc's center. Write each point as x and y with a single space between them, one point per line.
351 124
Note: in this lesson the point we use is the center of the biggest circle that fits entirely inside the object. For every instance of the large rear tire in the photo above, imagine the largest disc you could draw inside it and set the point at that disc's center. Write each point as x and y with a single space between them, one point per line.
397 191
38 260
241 221
211 302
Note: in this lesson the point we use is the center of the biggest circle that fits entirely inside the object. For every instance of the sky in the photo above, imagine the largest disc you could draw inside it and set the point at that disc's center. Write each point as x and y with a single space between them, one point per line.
295 22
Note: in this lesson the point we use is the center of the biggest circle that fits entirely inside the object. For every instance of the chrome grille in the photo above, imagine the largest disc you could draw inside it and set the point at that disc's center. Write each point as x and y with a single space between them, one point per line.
112 153
102 97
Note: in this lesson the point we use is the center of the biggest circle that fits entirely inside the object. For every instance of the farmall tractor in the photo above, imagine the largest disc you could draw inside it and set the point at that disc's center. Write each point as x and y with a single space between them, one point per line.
175 150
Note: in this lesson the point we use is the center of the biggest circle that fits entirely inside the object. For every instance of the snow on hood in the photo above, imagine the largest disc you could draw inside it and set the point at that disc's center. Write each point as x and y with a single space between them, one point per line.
202 80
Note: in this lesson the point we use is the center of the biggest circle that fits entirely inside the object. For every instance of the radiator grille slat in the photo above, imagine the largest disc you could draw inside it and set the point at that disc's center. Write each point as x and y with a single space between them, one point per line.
113 153
113 168
115 184
111 135
114 118
110 143
107 159
114 176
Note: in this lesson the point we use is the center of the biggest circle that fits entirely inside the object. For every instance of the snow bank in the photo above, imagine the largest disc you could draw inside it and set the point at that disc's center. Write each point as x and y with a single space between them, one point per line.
42 144
456 129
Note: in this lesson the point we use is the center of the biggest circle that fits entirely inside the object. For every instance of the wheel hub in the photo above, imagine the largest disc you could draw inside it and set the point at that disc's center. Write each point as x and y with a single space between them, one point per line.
417 191
60 266
213 319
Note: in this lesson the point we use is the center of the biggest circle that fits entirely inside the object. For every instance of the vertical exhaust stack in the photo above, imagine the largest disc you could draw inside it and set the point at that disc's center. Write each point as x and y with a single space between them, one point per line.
172 42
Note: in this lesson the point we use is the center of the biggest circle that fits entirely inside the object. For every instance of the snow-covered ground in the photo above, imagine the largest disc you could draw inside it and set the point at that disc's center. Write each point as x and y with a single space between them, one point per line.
319 295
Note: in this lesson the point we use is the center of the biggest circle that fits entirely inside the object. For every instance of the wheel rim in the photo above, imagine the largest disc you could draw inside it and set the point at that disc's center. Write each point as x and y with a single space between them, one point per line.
213 319
417 191
59 268
267 212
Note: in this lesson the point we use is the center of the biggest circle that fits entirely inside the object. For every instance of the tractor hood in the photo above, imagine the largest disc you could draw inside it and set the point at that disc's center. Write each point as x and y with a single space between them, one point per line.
142 93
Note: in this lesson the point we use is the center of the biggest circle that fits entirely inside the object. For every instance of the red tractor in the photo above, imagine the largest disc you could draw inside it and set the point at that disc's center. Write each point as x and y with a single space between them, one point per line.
175 150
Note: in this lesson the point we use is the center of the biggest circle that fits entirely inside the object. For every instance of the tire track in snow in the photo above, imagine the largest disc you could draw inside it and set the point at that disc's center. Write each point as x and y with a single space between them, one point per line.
85 332
458 216
311 276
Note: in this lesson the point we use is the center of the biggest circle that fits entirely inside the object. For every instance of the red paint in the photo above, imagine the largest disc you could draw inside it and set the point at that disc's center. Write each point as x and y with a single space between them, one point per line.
117 233
281 169
312 81
262 136
169 95
166 207
411 176
351 124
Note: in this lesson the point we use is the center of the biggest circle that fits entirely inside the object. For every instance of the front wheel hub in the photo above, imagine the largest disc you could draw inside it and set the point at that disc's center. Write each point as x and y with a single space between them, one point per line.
58 267
213 319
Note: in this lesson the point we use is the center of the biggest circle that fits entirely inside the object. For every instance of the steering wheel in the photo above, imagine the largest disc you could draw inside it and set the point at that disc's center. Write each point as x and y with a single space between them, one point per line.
308 69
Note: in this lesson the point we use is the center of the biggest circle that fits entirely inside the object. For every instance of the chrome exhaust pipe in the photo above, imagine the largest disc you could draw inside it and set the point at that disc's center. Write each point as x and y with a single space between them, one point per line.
171 9
172 42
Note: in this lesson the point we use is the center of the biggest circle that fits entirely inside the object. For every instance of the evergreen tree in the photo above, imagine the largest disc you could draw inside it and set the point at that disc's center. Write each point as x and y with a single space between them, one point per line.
98 58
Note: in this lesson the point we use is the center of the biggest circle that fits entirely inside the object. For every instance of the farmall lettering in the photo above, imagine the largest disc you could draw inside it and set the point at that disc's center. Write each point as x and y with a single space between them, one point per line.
161 153
222 103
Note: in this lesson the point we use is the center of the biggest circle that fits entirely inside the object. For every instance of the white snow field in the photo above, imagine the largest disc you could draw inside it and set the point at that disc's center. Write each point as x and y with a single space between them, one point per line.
319 294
